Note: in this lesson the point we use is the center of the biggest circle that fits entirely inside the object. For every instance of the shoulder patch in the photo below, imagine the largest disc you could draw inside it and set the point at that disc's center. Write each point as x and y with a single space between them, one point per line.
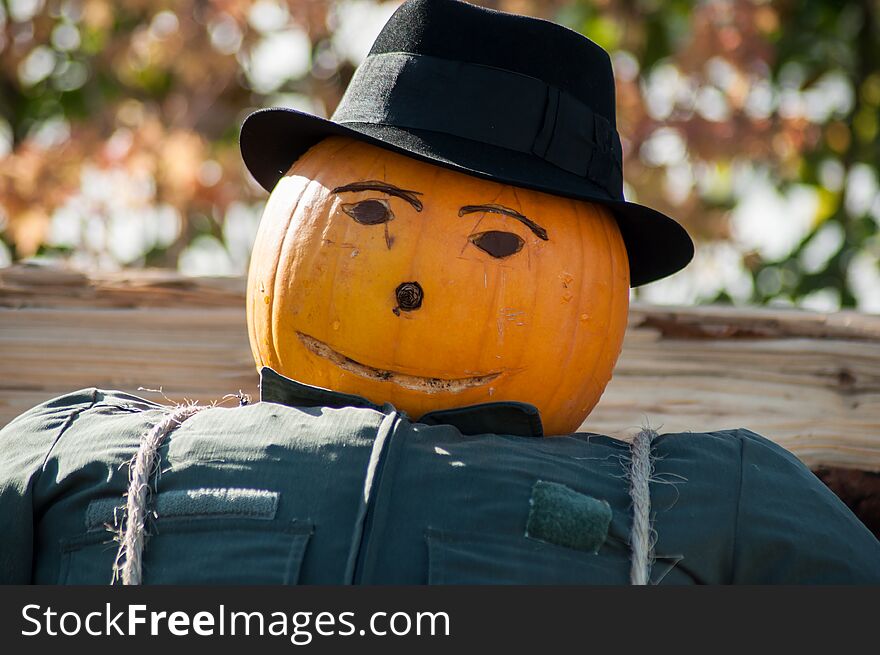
562 516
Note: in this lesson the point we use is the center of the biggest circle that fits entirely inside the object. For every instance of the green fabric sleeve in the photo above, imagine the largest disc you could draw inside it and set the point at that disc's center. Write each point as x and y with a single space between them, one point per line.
791 529
25 444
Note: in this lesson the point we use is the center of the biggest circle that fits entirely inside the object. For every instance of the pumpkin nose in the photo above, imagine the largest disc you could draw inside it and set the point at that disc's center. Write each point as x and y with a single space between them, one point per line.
409 296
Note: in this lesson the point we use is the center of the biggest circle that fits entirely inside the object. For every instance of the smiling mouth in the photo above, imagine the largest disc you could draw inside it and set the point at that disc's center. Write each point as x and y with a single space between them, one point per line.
411 382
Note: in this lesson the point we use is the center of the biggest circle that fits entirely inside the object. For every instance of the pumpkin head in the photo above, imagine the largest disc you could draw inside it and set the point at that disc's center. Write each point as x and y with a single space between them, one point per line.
383 276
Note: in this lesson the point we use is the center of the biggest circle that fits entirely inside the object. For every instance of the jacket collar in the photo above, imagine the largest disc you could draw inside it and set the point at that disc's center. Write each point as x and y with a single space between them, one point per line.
506 417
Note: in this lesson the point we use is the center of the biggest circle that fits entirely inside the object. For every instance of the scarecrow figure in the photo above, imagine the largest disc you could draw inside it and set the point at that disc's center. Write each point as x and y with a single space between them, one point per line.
440 282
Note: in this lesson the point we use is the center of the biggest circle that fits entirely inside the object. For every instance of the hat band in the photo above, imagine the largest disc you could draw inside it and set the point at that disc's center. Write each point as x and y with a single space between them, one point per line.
487 105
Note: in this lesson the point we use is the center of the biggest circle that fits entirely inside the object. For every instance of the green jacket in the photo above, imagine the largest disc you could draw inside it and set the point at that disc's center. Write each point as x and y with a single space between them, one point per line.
313 486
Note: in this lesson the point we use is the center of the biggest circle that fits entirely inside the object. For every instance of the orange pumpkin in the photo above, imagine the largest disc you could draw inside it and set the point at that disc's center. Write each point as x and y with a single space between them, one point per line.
379 275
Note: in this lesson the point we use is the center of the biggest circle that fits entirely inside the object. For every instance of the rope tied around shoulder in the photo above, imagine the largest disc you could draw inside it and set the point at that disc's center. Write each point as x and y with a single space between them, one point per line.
642 537
127 567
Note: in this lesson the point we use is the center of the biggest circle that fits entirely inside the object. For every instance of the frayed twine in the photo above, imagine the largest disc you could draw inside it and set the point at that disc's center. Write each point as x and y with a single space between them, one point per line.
130 528
127 567
242 398
643 537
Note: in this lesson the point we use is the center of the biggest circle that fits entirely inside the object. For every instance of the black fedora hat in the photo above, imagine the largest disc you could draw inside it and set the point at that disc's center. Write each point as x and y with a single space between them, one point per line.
508 98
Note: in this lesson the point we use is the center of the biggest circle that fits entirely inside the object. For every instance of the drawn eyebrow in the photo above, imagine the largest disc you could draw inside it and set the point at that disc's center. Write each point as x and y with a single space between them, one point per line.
384 187
539 231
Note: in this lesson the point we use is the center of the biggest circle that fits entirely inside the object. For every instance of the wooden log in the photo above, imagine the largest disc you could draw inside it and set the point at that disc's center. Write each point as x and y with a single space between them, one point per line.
807 380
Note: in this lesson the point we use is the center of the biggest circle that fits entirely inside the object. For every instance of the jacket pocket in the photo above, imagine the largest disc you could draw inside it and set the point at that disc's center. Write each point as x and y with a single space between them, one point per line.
203 536
471 558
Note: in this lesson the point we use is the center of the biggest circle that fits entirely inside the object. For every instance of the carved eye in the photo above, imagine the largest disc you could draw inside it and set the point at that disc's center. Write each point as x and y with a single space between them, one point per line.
497 244
369 212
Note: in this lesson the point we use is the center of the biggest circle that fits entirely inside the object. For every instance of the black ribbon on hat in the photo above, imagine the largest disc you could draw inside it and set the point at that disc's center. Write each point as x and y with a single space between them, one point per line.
487 105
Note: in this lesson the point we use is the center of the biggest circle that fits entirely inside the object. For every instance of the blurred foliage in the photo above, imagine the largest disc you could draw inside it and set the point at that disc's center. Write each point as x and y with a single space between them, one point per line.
753 122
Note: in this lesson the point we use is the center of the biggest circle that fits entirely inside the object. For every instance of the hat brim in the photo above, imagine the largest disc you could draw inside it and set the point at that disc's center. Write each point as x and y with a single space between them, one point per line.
272 139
